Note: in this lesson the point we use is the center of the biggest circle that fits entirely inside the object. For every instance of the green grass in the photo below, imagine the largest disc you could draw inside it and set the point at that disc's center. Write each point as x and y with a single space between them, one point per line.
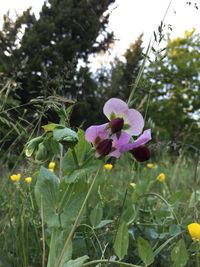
159 212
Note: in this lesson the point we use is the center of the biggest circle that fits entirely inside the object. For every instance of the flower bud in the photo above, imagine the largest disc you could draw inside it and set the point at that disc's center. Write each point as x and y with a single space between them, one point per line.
141 153
108 167
194 231
116 125
104 147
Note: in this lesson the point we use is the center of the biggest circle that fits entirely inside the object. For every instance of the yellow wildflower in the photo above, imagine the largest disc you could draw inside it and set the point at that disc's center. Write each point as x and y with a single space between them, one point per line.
52 165
161 177
15 177
28 180
108 167
133 185
150 166
194 231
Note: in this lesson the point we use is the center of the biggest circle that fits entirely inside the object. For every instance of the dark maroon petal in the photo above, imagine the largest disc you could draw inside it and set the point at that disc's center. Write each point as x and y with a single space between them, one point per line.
141 153
104 147
116 125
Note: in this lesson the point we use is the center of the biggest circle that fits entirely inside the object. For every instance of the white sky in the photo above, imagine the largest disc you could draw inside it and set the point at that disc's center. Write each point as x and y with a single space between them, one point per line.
130 18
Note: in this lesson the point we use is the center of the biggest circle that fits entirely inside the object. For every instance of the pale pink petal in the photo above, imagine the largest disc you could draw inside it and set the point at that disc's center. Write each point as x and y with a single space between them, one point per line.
115 106
135 121
96 131
143 139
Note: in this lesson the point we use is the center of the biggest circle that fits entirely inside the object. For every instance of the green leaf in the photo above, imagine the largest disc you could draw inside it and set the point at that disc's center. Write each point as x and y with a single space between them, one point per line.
179 254
96 215
65 136
145 251
77 174
61 202
41 154
54 147
59 238
83 148
103 223
77 262
32 145
129 214
174 230
83 153
122 241
46 194
50 127
76 195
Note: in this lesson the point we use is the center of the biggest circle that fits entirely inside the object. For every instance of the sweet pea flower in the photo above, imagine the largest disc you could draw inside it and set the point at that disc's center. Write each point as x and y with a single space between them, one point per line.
113 138
123 118
137 148
104 143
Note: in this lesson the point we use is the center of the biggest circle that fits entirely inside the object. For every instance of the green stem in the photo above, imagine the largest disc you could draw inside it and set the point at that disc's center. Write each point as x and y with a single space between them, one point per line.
110 261
75 157
43 236
61 159
51 260
197 256
120 215
139 74
77 219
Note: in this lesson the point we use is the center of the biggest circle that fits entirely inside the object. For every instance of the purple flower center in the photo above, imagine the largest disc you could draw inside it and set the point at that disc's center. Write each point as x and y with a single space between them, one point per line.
141 153
104 147
116 125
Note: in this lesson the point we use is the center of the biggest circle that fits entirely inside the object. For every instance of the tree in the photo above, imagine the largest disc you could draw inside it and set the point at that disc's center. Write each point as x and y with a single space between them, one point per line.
173 84
118 80
44 62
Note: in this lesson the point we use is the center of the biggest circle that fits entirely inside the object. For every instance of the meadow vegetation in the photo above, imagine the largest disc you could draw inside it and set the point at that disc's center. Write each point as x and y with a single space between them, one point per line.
73 191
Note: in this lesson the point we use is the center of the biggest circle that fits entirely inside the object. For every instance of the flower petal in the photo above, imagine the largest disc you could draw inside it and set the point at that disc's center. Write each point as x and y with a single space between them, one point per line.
116 154
122 140
141 153
135 121
115 106
118 143
96 131
143 139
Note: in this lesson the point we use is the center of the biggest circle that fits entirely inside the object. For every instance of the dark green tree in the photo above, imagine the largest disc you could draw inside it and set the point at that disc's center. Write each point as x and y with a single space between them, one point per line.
41 59
115 81
173 84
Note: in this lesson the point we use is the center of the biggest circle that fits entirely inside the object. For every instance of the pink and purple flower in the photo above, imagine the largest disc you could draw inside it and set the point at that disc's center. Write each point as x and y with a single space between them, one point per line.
115 137
104 143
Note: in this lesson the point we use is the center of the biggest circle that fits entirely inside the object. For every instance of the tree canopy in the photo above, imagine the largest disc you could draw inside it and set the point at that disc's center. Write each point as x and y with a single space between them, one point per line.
173 84
40 59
